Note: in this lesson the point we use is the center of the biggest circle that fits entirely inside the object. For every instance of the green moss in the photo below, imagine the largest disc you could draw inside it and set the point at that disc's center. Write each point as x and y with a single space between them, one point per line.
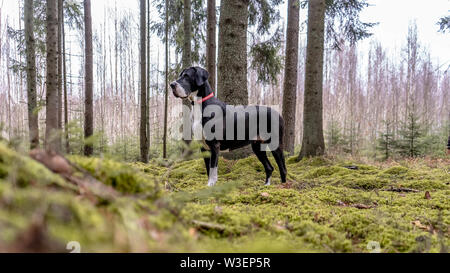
365 183
22 171
320 210
123 177
327 171
397 170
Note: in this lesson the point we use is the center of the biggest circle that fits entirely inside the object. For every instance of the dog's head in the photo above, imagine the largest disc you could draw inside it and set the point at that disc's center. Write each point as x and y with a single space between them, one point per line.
190 80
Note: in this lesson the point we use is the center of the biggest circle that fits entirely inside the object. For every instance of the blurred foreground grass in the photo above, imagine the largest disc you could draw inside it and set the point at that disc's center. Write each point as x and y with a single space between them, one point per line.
324 208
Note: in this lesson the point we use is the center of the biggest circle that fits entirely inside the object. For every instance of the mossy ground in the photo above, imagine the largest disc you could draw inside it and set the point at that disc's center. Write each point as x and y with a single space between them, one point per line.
325 207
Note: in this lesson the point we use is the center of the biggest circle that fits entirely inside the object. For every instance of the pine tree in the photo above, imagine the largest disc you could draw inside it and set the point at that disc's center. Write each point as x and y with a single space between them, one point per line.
313 143
31 73
386 143
143 64
89 79
51 130
334 136
410 143
291 75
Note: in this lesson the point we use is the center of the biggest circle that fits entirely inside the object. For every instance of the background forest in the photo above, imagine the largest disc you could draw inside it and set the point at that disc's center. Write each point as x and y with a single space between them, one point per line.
375 102
89 160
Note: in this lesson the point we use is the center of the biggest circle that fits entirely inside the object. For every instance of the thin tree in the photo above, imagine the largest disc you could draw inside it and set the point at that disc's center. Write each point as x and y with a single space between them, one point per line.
148 75
166 88
33 123
51 130
313 143
211 46
66 111
143 60
60 68
187 46
89 82
291 75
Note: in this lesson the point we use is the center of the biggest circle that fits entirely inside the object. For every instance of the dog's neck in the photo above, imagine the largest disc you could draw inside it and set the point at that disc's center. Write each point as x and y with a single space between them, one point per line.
205 90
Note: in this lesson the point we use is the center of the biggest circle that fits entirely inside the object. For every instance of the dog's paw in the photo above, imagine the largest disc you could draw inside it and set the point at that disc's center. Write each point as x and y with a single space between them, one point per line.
268 182
211 184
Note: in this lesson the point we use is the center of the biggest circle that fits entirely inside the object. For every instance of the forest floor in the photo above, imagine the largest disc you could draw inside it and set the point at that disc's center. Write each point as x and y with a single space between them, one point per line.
403 206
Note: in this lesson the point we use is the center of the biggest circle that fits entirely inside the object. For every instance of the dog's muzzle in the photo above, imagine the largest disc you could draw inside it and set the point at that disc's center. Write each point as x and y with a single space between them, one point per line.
178 90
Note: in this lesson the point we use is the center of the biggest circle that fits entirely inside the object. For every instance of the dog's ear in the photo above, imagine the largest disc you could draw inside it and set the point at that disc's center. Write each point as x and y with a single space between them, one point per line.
201 76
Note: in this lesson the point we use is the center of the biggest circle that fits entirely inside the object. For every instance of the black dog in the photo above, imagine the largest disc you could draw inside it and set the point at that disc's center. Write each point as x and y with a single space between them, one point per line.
195 79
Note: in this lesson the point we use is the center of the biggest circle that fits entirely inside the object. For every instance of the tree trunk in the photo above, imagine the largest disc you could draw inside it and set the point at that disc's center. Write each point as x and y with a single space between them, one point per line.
148 75
166 89
144 122
232 68
33 122
290 76
89 105
51 130
187 48
313 141
211 46
66 110
187 61
60 69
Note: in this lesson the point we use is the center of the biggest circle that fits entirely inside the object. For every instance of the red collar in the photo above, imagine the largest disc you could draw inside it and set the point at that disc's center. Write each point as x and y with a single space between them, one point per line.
206 98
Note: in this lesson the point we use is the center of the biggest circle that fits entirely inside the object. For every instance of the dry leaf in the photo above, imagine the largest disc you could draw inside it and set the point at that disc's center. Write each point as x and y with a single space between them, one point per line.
427 195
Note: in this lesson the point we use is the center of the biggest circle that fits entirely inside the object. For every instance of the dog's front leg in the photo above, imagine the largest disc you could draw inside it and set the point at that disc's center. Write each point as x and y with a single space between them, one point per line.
214 163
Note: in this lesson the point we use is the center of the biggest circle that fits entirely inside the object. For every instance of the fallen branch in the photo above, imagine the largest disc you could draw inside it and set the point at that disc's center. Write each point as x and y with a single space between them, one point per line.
401 189
207 225
358 206
66 169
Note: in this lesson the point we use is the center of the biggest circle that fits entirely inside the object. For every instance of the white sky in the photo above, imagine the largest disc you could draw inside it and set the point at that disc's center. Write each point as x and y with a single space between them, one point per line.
393 16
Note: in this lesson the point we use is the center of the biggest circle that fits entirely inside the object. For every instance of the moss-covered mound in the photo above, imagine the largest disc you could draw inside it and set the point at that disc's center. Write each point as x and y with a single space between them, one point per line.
326 207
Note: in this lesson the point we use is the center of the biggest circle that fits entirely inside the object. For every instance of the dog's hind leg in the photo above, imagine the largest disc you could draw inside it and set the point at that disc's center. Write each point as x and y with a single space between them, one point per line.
281 162
262 156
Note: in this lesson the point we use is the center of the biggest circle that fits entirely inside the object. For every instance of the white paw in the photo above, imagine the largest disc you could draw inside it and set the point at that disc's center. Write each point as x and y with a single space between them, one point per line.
212 177
268 182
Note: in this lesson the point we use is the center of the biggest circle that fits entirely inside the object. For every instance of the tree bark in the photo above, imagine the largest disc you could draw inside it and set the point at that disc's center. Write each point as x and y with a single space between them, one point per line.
187 47
148 75
232 61
187 60
313 140
291 76
144 122
51 130
89 105
211 46
166 87
33 122
60 69
66 110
